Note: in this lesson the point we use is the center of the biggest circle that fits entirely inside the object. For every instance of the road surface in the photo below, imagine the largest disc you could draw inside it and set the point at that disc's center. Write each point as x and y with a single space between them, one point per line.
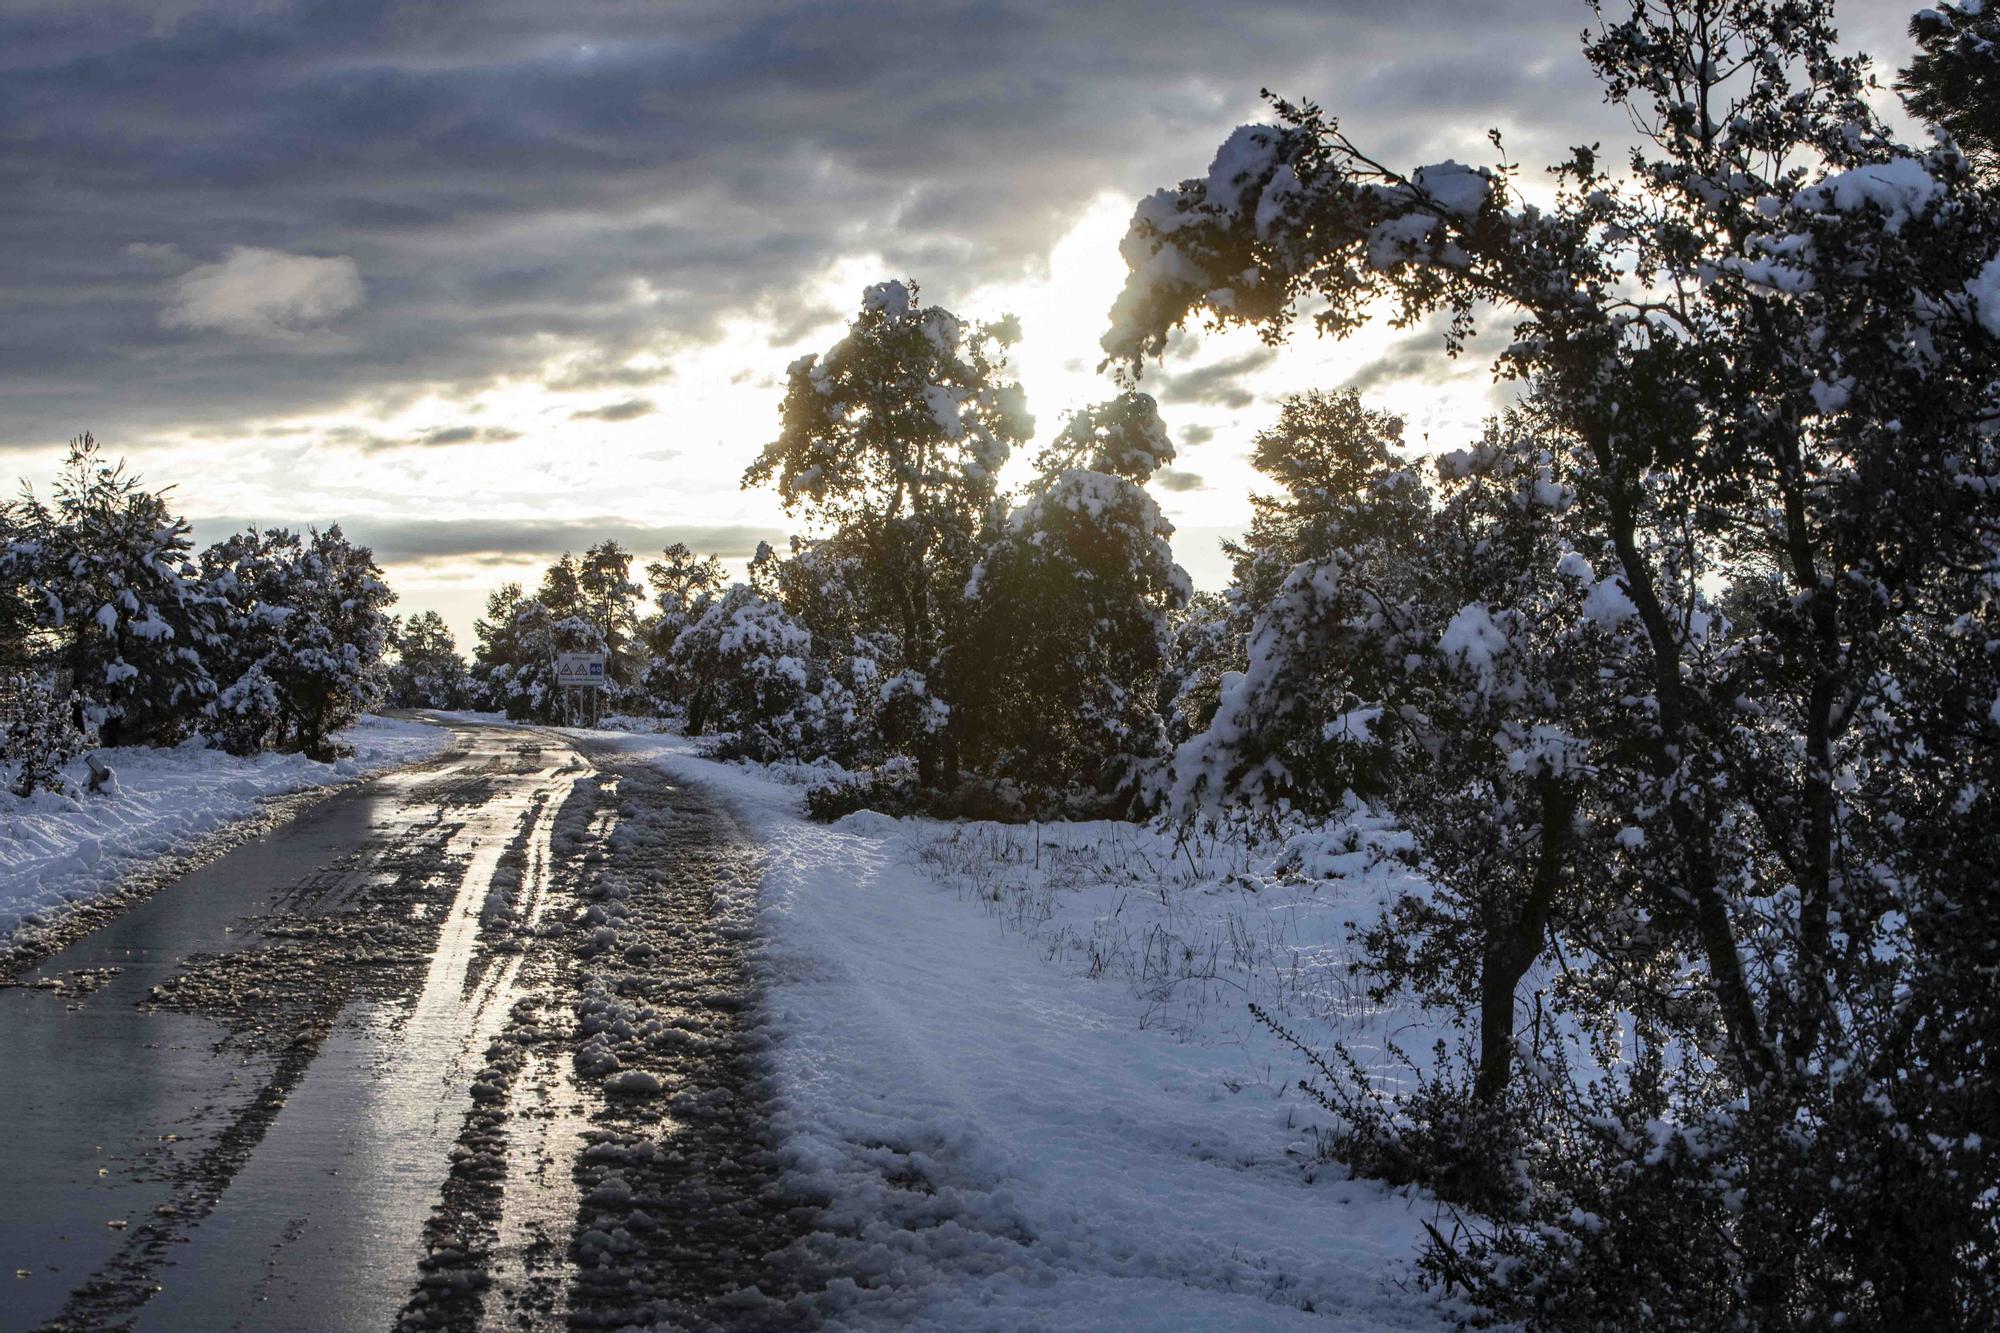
471 1045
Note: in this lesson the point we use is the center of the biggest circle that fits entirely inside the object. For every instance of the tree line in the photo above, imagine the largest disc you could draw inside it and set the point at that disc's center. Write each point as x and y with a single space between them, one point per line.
114 630
959 648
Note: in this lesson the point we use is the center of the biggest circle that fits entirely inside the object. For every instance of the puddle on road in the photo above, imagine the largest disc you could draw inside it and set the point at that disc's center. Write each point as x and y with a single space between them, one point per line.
547 1116
347 1175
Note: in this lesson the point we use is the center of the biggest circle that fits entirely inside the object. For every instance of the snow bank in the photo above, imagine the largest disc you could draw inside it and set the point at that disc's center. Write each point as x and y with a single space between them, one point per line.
58 851
1056 1112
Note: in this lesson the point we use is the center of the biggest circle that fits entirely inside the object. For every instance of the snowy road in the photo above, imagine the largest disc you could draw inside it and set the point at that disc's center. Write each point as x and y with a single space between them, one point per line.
432 1056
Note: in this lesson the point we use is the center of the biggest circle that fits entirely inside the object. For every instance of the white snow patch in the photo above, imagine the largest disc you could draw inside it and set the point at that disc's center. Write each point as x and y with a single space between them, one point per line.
58 850
1244 157
1453 186
1901 189
890 298
1002 1141
1473 637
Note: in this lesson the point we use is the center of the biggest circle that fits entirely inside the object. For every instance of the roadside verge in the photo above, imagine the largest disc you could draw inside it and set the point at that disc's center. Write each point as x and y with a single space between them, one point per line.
67 860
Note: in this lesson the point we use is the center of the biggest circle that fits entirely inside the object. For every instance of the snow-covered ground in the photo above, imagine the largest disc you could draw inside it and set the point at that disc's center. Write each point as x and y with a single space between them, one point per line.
1018 1063
57 851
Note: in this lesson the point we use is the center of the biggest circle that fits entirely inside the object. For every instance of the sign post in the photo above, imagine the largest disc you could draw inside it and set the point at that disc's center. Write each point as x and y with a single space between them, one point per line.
578 672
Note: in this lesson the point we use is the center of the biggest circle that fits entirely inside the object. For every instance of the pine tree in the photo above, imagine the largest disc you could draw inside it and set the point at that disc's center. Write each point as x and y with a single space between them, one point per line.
1324 451
428 672
106 566
306 636
609 600
18 649
1064 655
893 440
682 585
251 578
1954 81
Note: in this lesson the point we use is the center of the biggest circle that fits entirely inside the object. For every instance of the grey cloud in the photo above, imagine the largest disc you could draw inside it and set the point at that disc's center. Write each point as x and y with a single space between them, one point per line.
416 541
792 325
1173 479
164 256
1193 436
502 173
629 410
466 435
1418 356
588 373
1217 383
369 442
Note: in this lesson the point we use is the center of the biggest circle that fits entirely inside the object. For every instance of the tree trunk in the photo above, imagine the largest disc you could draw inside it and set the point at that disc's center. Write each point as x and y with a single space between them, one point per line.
1513 946
1699 886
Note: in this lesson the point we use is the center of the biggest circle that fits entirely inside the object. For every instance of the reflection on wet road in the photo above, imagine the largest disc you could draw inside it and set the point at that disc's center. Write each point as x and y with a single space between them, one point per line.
339 1078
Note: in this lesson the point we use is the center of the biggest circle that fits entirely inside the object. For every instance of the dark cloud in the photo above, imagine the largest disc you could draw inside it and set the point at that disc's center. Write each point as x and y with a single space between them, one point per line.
1173 479
1216 383
414 541
563 191
629 410
1194 436
467 435
598 373
369 442
1416 356
520 185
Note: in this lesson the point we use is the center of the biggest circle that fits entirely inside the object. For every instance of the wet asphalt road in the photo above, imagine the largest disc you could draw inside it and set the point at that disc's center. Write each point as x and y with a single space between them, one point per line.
471 1045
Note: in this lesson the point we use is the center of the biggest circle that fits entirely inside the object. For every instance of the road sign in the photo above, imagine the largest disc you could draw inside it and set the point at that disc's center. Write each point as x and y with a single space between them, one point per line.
585 670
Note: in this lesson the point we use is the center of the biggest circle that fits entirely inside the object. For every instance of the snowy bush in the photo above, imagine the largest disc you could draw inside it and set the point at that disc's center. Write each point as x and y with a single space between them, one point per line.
38 735
246 713
752 674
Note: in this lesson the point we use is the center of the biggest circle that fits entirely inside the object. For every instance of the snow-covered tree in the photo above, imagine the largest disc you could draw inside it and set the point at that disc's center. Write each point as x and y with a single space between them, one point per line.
1208 635
1061 664
305 633
1324 451
38 734
752 673
427 672
609 600
496 647
519 638
893 440
17 607
682 582
682 585
251 579
1322 579
1765 353
105 565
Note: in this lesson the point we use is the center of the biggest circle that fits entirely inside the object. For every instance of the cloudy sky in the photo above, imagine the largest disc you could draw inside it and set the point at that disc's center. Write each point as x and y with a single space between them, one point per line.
486 279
